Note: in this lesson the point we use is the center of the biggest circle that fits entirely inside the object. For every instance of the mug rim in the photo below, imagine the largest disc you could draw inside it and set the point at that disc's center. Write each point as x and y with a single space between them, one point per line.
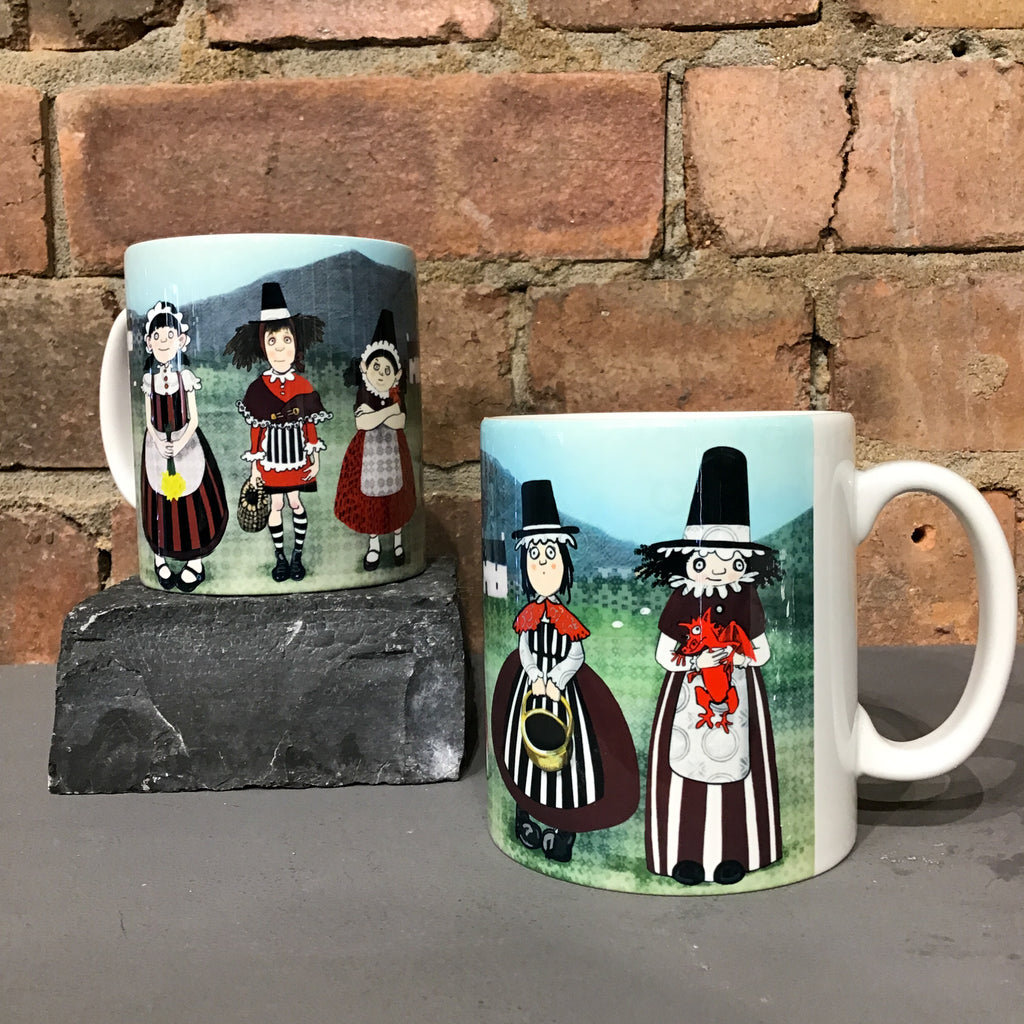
295 236
671 414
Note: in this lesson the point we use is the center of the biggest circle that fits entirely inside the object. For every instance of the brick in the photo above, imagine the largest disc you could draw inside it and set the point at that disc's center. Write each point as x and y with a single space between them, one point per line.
49 566
453 529
96 24
943 13
466 342
124 543
763 156
603 14
255 21
652 345
23 248
934 367
934 158
12 25
916 579
568 165
52 333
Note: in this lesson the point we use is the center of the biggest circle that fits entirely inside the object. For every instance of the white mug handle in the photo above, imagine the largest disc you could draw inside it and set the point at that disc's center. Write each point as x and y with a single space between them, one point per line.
116 409
959 735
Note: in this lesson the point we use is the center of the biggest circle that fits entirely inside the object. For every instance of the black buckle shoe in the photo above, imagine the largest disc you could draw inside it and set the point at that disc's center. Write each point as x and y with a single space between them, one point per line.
282 570
298 570
168 582
187 586
527 830
558 844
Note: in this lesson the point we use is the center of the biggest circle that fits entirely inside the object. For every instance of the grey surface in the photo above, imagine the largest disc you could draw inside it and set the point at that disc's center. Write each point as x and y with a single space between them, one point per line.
161 692
391 904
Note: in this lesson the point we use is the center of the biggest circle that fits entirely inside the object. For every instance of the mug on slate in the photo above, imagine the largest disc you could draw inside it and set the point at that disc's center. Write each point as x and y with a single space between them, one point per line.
260 407
671 647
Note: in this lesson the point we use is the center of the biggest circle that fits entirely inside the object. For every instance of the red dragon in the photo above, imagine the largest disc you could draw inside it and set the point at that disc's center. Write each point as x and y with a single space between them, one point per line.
716 680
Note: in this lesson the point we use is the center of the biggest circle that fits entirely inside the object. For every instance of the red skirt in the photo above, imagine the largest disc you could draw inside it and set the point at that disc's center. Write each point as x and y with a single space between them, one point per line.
366 513
190 526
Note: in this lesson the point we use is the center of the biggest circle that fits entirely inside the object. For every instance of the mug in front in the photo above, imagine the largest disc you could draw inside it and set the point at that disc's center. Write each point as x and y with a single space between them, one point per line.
670 644
266 421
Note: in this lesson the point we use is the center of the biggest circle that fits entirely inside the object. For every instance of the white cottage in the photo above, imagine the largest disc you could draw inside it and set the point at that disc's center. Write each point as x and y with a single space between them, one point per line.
495 567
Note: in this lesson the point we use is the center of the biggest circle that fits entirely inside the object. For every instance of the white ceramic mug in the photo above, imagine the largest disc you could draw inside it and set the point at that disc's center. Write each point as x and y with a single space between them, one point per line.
671 644
260 405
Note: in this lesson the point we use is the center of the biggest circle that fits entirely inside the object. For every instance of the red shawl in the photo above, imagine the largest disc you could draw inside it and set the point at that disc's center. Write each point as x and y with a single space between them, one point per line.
557 614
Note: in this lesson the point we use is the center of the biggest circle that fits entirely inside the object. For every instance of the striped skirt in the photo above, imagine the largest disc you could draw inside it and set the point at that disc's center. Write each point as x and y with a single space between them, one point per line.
709 823
190 526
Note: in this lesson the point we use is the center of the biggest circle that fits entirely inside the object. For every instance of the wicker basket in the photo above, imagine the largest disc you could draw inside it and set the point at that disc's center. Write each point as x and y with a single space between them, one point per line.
253 507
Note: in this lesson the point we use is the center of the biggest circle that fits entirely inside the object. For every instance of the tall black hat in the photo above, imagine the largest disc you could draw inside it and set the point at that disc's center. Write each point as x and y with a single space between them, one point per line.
385 329
720 509
273 306
540 516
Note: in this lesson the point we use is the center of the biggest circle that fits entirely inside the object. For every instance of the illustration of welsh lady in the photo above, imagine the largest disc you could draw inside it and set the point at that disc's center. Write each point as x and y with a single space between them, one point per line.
283 411
560 740
712 790
184 508
376 492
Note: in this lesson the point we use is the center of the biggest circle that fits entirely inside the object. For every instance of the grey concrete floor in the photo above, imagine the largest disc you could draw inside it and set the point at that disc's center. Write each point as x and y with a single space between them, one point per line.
391 903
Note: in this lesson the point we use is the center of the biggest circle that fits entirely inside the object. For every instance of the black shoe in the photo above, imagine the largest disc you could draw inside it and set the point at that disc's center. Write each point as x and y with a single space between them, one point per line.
688 872
399 555
729 872
527 830
282 570
369 564
298 570
187 586
558 844
168 582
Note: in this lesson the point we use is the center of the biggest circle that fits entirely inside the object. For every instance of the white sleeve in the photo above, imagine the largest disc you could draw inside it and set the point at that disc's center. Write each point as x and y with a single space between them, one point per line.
528 659
567 668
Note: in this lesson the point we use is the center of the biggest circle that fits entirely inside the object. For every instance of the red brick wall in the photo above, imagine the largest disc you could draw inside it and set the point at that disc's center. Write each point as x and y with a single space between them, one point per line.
827 192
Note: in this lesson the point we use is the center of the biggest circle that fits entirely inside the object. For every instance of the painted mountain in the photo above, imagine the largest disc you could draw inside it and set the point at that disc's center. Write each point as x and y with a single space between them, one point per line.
336 289
603 557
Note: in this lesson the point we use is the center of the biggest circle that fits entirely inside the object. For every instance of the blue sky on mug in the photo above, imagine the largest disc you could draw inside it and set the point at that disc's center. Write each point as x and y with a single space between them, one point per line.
633 475
189 269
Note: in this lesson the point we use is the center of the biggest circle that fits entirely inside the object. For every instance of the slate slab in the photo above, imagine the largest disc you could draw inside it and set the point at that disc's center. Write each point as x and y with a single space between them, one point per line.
167 692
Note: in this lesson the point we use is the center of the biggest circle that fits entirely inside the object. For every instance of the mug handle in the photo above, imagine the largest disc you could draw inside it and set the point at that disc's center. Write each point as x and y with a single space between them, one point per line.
116 409
959 735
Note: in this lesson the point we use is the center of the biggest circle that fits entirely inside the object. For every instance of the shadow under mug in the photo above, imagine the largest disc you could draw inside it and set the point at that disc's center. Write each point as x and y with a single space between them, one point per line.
671 598
260 407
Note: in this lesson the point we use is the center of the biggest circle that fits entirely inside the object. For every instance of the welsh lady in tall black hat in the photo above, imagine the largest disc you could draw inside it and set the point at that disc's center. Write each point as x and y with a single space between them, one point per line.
560 740
283 411
713 792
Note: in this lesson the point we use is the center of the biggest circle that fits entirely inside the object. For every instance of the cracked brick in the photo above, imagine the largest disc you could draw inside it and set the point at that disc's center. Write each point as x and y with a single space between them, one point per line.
936 154
764 156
